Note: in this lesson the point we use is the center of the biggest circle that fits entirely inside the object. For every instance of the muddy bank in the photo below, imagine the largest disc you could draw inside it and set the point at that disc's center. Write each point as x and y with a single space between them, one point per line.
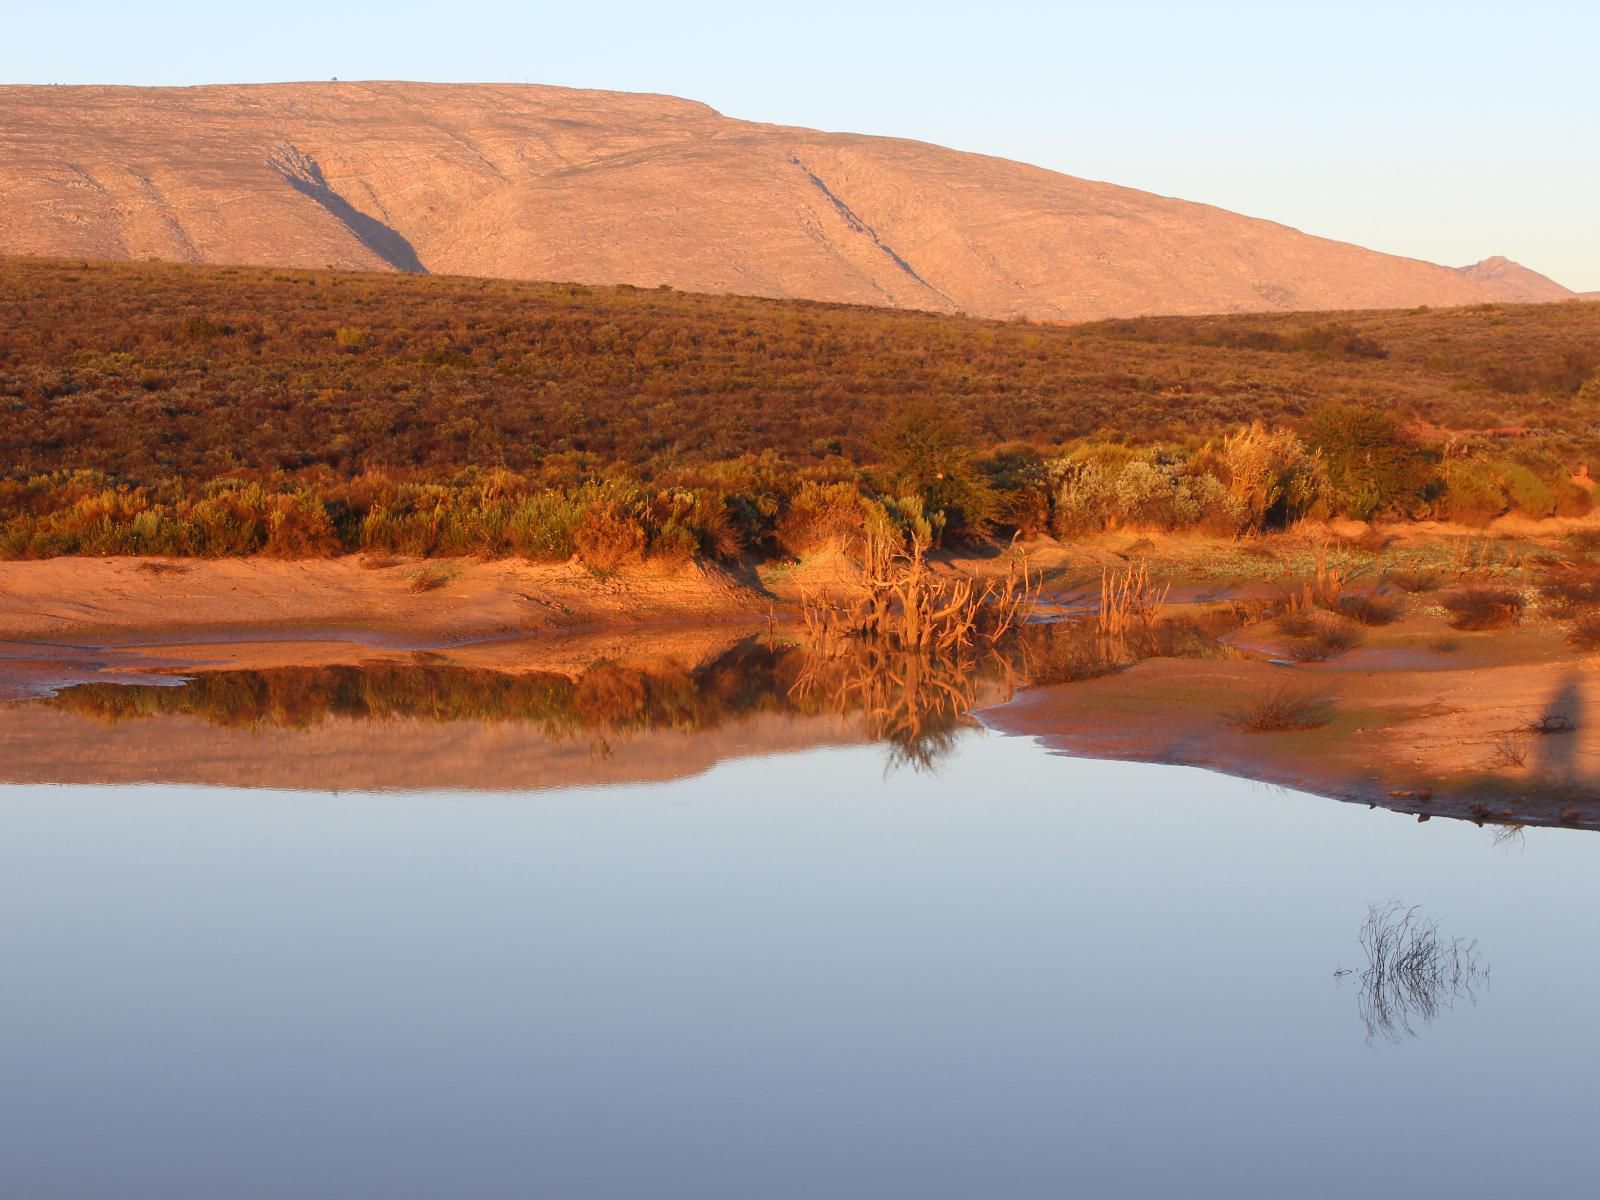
1499 726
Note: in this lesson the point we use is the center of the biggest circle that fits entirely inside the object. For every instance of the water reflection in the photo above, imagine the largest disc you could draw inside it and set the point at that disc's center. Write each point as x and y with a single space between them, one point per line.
912 703
1413 972
915 704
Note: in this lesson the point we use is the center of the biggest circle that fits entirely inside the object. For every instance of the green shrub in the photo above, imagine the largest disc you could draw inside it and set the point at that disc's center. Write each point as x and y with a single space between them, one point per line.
1473 494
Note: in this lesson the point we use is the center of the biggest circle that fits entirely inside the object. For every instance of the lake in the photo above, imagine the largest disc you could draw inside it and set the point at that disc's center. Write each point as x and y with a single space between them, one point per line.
796 964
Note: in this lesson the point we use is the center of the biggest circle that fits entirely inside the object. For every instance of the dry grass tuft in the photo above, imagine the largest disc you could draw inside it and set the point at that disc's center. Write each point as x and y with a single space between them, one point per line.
1369 609
1317 637
431 578
1415 581
1510 751
1283 709
1584 542
1548 723
1571 589
1480 608
1585 633
163 568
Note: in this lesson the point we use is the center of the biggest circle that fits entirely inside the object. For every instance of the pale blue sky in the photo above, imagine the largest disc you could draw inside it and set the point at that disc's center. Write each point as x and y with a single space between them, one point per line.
1445 131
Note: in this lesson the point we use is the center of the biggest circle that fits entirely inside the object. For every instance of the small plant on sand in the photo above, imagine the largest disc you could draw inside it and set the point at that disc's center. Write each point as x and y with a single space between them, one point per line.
1445 645
1583 543
1480 608
1415 581
1510 751
1317 637
1571 589
161 567
1585 633
1283 709
1551 722
1368 609
431 578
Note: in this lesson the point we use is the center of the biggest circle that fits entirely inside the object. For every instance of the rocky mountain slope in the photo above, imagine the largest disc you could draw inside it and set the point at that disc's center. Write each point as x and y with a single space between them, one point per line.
605 187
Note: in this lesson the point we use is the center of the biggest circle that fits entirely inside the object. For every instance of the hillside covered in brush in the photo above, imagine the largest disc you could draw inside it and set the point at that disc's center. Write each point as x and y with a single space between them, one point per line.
159 377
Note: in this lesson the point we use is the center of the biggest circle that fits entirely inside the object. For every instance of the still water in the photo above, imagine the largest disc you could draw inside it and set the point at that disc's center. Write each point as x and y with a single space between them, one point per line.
789 975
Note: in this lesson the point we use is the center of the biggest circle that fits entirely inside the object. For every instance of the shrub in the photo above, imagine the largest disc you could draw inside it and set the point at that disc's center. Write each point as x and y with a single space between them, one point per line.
607 537
1415 581
1283 709
1477 608
1571 589
1525 490
1371 466
1271 475
1585 633
821 516
1084 501
1368 609
1472 492
1324 640
542 527
298 527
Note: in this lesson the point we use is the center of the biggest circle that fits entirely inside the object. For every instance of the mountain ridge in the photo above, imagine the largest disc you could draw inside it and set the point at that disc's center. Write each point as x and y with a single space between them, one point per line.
532 181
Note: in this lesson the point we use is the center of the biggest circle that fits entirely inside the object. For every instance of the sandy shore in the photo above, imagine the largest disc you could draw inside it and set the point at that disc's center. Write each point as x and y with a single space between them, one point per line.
1411 728
438 598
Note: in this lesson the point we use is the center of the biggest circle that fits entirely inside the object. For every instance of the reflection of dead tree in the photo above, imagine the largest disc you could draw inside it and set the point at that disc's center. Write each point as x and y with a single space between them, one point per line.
915 703
1412 972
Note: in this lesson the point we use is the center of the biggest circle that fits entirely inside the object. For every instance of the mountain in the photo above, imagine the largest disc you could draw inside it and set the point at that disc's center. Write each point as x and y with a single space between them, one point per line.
1514 282
607 187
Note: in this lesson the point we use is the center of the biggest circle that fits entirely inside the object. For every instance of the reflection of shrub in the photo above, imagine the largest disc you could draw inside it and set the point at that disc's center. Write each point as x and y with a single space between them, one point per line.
1484 608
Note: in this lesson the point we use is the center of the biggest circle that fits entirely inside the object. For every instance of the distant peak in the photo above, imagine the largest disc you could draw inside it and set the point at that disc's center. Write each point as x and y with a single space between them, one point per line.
1513 282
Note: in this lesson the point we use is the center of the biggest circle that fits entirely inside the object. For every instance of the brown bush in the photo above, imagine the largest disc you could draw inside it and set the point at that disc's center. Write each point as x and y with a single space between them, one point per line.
1368 609
1478 608
821 517
1283 709
607 540
1585 633
1571 589
1415 581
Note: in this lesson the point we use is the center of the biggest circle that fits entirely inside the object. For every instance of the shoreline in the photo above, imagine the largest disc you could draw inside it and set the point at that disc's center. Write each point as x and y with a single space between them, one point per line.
1413 727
